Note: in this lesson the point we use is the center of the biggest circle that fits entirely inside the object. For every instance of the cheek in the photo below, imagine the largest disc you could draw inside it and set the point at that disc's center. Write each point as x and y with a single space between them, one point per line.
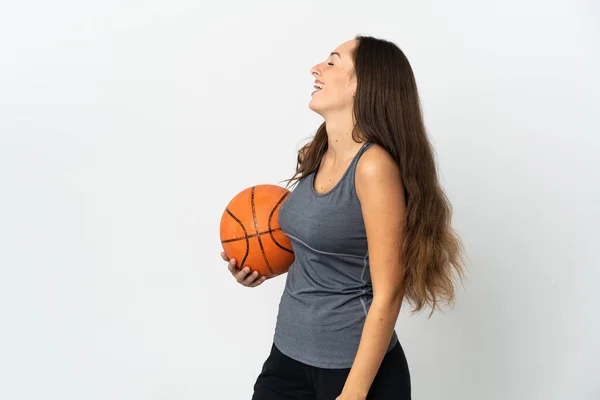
342 87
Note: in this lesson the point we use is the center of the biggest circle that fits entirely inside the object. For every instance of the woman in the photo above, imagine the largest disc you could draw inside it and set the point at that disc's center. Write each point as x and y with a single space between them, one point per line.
370 227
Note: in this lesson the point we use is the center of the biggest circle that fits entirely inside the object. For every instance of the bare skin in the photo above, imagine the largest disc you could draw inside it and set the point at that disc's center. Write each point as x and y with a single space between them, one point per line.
245 277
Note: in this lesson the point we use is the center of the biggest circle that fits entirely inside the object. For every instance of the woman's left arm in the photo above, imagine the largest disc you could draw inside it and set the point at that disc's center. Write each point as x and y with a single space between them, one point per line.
380 190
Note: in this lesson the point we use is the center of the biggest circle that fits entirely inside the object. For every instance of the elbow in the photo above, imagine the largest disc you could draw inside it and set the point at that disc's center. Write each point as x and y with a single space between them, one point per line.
391 300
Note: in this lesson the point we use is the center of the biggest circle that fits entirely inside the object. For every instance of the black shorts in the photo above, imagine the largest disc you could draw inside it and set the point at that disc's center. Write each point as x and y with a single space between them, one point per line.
283 378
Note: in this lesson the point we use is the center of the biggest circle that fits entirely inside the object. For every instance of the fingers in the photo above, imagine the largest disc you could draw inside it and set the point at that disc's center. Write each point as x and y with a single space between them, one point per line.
258 281
248 278
224 256
231 266
245 276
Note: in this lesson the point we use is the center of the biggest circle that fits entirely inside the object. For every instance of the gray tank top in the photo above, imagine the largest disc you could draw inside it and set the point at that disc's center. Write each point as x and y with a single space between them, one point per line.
328 288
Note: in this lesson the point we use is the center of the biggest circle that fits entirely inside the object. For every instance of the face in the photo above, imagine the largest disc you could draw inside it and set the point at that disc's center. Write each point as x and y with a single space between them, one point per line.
336 77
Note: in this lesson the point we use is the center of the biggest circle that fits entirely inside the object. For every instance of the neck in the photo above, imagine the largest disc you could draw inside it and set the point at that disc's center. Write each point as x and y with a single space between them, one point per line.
339 135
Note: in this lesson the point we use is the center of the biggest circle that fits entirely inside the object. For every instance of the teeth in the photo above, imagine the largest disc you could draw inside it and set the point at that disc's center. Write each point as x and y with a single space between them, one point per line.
318 87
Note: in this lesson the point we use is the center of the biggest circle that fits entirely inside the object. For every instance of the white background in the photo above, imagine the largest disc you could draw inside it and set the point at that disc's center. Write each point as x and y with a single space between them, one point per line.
126 127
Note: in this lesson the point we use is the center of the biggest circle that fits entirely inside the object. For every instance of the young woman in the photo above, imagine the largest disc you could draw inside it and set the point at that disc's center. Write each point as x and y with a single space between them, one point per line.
370 228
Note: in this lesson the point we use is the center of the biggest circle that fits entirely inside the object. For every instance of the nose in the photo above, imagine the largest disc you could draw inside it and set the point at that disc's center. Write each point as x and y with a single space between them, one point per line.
315 70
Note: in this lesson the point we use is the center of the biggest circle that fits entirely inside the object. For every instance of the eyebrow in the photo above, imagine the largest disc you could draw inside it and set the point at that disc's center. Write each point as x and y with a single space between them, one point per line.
335 53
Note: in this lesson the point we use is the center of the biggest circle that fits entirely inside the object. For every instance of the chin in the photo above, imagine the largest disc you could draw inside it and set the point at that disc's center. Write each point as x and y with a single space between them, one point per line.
314 106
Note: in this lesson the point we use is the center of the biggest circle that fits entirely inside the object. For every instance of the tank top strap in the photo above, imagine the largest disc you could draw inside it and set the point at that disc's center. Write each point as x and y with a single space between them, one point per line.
353 164
364 147
359 153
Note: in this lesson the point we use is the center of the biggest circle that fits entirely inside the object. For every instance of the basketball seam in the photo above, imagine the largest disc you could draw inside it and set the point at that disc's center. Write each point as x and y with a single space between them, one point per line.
245 237
250 236
262 249
270 231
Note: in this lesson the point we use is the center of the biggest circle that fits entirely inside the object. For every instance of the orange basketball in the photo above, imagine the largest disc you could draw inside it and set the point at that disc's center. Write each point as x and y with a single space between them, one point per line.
250 230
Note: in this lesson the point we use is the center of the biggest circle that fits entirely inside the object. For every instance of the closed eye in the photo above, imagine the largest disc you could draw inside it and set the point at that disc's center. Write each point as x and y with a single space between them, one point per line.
329 63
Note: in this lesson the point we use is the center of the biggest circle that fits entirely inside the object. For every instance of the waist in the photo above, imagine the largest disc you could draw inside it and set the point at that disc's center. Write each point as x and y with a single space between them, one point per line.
321 331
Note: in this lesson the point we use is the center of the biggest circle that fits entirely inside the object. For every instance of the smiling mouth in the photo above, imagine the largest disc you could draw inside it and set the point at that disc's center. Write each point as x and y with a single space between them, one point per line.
317 86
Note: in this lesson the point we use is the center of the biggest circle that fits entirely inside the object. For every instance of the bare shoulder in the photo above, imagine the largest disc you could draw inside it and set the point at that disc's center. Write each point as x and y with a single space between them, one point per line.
379 185
376 164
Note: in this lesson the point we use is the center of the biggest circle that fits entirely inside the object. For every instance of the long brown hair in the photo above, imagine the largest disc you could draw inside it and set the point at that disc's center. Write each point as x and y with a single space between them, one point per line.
387 112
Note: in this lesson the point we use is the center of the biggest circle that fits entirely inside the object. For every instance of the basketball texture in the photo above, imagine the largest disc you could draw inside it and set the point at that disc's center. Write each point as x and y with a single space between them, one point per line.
250 230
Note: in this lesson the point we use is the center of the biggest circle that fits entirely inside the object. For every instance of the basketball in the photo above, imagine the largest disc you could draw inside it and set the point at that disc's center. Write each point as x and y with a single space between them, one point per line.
250 231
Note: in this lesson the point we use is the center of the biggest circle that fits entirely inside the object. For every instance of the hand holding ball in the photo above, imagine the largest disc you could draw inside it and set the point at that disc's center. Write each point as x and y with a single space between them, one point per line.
251 234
